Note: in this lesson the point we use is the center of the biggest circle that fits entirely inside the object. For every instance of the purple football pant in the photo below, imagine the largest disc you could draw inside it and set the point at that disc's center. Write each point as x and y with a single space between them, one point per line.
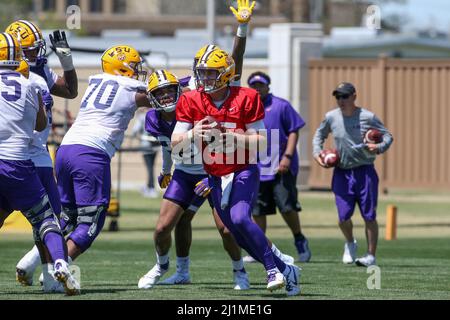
181 190
21 189
84 179
237 215
356 186
45 174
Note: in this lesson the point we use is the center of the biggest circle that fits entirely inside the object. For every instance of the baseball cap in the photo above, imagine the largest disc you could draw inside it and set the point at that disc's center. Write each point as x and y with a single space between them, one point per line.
259 78
345 88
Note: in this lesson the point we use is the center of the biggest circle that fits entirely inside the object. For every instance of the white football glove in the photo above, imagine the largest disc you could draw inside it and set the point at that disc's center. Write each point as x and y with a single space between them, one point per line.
62 49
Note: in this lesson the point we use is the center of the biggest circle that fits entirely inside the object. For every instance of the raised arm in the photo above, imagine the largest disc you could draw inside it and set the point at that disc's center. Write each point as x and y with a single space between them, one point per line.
243 15
67 85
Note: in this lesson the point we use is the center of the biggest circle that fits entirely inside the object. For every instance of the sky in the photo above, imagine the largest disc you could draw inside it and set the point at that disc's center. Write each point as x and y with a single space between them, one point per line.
423 13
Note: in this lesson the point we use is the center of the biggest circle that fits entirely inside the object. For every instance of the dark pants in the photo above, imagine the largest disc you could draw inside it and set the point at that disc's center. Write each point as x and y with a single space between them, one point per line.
149 160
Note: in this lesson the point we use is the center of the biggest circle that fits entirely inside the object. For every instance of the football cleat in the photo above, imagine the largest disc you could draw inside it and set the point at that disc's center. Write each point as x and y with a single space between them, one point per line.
152 277
275 280
65 277
241 280
304 254
23 277
350 249
177 278
292 280
366 261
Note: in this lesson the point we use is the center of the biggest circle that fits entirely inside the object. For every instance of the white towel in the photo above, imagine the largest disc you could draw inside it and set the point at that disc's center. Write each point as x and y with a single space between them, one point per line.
226 183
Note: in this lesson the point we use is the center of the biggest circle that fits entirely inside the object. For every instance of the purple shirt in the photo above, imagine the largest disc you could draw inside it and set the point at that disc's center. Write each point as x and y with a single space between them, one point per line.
280 115
157 126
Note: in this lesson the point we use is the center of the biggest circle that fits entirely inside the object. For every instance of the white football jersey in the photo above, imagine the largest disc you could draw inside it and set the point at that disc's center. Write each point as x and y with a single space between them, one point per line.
38 148
19 106
105 112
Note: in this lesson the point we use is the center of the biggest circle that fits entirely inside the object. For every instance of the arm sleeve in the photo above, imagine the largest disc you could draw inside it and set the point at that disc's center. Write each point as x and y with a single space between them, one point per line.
51 76
254 109
319 137
166 154
387 136
292 121
182 127
257 125
32 96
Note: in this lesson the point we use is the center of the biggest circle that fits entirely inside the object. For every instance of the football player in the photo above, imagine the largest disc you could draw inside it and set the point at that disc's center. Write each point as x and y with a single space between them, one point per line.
180 203
233 116
48 82
20 186
82 162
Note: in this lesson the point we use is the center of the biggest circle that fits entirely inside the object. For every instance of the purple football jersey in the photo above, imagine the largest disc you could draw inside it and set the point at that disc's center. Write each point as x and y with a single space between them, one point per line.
280 116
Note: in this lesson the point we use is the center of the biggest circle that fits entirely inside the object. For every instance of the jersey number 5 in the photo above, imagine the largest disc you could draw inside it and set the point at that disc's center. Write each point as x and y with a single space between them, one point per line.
11 83
93 85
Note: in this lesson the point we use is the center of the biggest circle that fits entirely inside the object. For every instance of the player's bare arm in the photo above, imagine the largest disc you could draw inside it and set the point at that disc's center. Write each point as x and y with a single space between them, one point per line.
243 15
285 162
251 139
142 100
41 119
67 85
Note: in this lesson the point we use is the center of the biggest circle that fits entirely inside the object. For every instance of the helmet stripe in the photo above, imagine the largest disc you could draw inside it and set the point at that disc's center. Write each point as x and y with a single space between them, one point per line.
11 51
161 76
33 28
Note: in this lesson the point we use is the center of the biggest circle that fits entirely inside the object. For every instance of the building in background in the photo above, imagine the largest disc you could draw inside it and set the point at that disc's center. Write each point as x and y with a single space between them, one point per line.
163 17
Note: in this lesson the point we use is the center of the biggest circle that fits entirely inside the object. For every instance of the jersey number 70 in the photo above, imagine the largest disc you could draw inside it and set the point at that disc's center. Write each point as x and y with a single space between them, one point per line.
93 86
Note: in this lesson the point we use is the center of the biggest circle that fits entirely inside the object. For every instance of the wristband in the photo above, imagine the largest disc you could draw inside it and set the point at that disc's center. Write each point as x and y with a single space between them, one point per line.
288 156
190 134
242 30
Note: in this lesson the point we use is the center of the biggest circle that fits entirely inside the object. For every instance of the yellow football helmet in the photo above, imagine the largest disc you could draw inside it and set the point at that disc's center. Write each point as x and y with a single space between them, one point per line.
124 61
24 68
10 51
202 51
214 70
163 90
30 38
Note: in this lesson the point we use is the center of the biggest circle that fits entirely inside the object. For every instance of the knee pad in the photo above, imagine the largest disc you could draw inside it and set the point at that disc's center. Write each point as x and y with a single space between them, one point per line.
89 224
38 218
91 216
68 220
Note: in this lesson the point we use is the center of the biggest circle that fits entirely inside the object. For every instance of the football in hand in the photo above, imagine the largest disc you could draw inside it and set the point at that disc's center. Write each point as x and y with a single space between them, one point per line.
329 157
215 124
373 136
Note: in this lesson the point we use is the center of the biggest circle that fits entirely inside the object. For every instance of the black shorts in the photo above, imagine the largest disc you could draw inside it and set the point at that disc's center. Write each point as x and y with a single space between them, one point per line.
281 192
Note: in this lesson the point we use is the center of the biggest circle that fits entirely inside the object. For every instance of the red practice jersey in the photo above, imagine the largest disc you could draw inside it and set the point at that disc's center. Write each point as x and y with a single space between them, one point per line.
243 106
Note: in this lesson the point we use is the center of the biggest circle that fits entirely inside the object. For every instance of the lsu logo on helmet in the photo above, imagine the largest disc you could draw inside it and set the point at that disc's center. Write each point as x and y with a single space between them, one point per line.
163 90
124 61
10 51
214 70
30 38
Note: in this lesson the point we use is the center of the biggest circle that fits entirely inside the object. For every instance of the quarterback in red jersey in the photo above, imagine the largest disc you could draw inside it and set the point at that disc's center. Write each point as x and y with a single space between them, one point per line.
227 123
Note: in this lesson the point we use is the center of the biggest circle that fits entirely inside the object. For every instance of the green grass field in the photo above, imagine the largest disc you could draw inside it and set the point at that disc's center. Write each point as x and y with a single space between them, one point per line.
416 266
